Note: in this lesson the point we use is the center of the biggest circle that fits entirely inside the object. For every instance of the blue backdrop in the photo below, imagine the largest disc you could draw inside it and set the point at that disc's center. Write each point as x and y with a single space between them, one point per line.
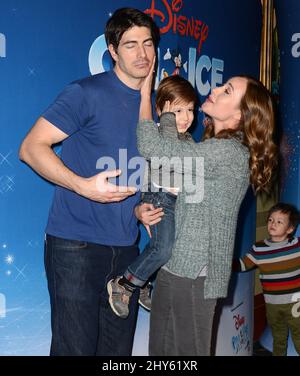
43 46
288 19
288 16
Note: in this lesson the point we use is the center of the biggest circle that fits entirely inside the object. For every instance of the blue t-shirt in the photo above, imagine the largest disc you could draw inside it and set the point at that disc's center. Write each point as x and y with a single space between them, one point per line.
100 115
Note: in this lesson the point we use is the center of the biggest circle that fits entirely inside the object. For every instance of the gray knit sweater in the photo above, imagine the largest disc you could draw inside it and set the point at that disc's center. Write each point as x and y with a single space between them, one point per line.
164 175
205 231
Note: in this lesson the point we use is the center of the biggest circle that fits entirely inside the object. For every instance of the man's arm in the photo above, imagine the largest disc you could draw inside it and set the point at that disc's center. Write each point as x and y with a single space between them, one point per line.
36 150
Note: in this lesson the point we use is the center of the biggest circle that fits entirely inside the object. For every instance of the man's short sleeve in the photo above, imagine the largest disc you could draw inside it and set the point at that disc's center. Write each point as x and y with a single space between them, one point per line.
69 112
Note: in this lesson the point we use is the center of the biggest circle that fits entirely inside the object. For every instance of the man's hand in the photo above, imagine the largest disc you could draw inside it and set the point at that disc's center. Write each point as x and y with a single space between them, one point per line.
97 188
148 215
36 150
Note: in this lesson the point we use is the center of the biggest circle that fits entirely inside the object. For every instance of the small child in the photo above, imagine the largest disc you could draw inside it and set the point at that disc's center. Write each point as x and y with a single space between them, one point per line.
175 95
278 260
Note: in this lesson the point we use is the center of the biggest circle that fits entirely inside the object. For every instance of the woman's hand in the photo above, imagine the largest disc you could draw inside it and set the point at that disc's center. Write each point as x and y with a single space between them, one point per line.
148 215
146 88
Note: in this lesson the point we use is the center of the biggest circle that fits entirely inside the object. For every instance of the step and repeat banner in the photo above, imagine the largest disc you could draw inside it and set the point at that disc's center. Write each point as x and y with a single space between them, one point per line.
288 21
46 44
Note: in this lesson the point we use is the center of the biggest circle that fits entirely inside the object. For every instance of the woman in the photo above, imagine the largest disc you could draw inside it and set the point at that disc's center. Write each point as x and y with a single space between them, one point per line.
237 148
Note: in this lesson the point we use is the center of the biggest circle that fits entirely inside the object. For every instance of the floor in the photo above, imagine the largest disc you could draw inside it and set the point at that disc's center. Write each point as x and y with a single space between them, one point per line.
258 350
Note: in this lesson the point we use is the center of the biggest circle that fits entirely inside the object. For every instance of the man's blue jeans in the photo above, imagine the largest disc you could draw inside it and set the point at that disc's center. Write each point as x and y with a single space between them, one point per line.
158 251
81 319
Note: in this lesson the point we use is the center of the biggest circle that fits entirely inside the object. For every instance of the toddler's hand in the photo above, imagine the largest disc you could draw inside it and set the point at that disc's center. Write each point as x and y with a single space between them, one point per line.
167 107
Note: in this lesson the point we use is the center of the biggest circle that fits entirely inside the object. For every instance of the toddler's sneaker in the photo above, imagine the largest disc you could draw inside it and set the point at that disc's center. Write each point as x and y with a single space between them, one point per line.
145 297
119 298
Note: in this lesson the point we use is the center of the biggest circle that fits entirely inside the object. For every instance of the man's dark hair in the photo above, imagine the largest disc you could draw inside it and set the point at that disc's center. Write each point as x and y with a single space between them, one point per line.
290 210
124 19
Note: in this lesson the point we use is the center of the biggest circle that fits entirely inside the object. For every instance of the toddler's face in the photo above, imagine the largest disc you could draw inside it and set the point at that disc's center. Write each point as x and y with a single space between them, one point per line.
184 113
278 226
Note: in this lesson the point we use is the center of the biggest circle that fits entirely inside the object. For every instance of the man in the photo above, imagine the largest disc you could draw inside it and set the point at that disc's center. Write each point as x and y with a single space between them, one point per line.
92 226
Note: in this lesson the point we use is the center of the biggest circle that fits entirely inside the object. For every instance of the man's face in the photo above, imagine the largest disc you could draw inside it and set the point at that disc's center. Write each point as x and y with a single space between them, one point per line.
134 55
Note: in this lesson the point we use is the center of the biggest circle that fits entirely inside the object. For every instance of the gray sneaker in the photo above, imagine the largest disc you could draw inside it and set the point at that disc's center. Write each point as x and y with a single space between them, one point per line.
145 297
118 298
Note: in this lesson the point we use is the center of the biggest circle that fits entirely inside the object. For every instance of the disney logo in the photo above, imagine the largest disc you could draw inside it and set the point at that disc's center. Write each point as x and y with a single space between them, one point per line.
238 321
178 23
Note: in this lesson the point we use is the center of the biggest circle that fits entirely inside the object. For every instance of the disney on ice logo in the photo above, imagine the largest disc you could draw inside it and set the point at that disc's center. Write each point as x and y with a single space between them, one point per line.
204 72
296 46
174 21
240 341
2 45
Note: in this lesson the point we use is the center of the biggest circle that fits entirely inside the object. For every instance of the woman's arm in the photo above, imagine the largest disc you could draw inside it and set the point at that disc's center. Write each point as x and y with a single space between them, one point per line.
146 89
152 143
163 141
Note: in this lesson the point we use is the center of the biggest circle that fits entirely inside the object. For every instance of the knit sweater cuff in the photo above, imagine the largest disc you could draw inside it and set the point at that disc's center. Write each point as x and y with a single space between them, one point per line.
215 287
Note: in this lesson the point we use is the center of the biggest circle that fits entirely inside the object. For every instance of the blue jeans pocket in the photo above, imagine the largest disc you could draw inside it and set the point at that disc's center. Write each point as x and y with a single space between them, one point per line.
66 244
160 199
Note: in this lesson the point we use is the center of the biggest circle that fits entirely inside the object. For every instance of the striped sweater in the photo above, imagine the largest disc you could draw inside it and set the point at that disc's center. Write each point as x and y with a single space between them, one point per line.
279 267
